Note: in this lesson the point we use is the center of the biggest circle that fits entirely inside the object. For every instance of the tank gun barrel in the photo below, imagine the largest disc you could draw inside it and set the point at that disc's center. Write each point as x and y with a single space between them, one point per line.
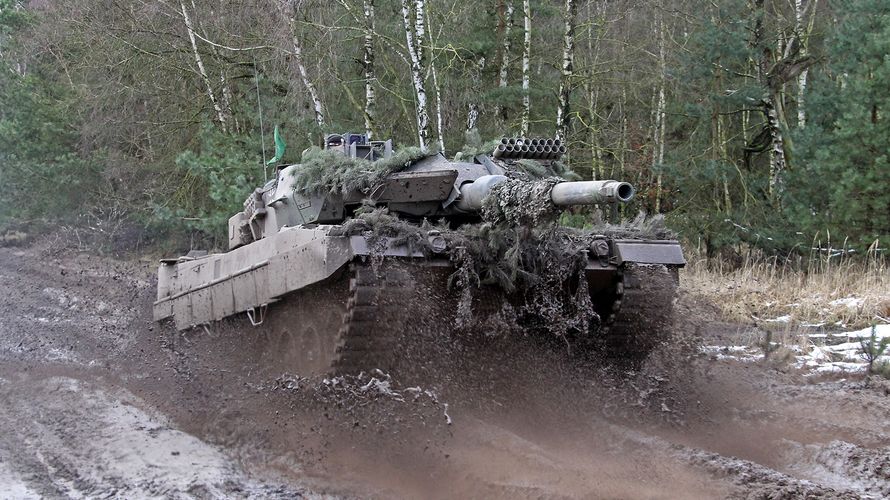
591 192
563 194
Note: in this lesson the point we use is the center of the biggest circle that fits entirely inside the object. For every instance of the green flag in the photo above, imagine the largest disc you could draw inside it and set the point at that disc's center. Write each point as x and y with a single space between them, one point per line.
279 148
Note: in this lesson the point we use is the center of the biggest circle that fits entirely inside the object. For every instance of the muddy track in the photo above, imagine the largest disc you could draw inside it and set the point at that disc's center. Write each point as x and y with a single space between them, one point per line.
99 401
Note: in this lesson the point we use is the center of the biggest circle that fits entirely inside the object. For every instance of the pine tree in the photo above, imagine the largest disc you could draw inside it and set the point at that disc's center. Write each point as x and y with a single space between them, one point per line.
844 167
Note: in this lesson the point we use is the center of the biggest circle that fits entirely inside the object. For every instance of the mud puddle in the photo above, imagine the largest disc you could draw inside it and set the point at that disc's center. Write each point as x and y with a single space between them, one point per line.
100 401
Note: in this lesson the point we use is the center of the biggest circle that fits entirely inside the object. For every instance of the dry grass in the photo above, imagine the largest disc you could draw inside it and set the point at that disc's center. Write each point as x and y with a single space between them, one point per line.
834 291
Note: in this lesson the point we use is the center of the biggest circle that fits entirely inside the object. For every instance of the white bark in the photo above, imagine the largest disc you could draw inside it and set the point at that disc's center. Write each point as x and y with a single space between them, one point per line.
594 33
504 63
473 106
415 52
660 115
526 65
223 81
220 115
777 153
505 49
304 76
438 90
568 65
368 62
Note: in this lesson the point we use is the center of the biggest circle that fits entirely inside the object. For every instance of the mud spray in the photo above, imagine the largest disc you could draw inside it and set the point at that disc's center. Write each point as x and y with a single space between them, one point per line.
87 378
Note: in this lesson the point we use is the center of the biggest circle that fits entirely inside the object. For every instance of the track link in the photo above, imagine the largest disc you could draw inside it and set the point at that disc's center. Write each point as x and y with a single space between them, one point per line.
374 318
641 312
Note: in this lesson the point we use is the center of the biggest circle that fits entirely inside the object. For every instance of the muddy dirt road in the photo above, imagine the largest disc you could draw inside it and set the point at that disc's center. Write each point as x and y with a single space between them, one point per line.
97 401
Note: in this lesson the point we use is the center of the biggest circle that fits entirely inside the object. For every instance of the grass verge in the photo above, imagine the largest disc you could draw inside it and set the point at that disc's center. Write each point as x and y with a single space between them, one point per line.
834 291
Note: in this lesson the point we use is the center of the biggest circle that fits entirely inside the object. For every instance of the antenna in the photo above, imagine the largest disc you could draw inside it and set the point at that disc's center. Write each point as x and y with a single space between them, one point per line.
259 105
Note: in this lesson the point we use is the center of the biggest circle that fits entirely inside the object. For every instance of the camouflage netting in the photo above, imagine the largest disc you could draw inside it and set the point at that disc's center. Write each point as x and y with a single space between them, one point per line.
323 171
641 227
518 247
541 263
515 202
535 169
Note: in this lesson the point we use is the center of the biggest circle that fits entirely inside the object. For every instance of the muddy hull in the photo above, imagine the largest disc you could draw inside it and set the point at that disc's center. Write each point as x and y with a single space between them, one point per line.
325 302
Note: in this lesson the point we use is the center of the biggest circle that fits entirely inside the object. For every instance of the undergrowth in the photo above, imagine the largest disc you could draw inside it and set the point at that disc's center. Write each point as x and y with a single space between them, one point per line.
814 290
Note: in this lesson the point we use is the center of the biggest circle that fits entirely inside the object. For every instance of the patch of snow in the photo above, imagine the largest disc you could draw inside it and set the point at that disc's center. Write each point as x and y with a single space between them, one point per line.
848 302
13 485
845 356
881 331
781 319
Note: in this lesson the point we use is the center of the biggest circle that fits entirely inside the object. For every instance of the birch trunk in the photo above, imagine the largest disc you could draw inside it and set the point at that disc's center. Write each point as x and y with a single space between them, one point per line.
596 157
226 91
220 115
660 115
526 65
438 90
770 103
415 52
568 66
505 47
304 77
368 63
506 44
473 106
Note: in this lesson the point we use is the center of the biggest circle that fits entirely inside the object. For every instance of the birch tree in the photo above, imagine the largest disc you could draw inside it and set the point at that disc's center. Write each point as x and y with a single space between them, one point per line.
773 76
506 45
660 128
526 65
368 64
199 61
301 68
414 35
568 65
473 106
440 133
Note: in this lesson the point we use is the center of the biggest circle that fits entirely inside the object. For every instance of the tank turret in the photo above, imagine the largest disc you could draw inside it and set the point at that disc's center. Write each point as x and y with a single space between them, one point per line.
429 186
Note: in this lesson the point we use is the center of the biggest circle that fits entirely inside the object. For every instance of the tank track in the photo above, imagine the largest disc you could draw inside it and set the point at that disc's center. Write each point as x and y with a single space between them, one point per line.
641 313
374 318
344 325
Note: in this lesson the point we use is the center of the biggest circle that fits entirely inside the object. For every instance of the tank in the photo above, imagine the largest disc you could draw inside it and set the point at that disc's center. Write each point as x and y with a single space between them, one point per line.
339 258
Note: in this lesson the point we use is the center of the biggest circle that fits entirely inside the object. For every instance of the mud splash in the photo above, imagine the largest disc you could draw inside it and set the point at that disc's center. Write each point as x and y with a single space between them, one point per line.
527 421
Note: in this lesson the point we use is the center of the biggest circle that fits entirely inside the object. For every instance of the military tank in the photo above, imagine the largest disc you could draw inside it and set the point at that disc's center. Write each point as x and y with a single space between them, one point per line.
328 291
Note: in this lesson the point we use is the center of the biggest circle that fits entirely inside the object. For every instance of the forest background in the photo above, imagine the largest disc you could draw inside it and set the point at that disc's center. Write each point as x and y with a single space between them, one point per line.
758 124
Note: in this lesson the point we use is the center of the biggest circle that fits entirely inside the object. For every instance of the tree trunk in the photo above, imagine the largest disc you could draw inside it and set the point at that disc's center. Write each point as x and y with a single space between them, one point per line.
414 37
805 18
568 66
220 115
368 64
769 102
439 132
526 66
596 157
473 106
660 114
310 87
506 44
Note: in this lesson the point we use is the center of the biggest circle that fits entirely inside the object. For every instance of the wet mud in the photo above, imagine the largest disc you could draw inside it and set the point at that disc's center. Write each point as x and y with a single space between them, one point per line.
97 400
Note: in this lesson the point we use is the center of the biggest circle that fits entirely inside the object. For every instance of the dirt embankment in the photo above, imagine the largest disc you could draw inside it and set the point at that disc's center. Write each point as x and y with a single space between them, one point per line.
97 400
